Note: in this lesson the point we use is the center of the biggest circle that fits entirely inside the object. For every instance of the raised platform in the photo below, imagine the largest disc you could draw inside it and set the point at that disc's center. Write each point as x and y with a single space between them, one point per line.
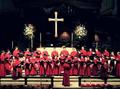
75 83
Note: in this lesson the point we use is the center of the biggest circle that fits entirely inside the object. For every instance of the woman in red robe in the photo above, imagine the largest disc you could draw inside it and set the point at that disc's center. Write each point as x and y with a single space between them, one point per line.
82 66
33 70
55 66
2 65
66 78
88 67
49 65
41 66
62 60
118 65
8 63
95 67
75 66
27 64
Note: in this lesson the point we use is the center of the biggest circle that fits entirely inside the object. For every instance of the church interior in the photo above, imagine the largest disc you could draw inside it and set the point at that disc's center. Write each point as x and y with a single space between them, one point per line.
39 32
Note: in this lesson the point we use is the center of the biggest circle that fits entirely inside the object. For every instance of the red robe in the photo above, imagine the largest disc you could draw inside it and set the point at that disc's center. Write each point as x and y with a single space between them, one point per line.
106 53
83 52
82 67
88 68
55 66
74 54
17 71
61 68
118 66
66 79
95 67
27 53
16 53
64 53
33 70
41 67
75 66
2 66
27 69
89 53
98 53
49 65
54 53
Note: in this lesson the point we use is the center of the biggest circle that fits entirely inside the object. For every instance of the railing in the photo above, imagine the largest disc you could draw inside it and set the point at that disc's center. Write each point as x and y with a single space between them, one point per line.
26 79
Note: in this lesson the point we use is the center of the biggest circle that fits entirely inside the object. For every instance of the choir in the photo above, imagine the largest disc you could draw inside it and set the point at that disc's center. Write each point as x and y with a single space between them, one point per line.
80 63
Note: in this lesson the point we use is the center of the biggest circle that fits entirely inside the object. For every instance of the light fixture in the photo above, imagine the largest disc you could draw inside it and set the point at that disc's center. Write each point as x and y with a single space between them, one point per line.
80 31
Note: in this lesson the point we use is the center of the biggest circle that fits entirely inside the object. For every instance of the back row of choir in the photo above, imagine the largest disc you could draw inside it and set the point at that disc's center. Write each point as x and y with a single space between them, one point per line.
81 63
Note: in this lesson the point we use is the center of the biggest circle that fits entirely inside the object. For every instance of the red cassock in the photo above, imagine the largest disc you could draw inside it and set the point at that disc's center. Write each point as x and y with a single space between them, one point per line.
7 63
33 70
27 53
95 67
49 70
54 53
69 60
55 66
8 66
83 52
82 67
89 53
45 55
16 53
88 68
118 66
75 66
41 67
74 54
98 53
66 78
64 52
62 60
27 64
106 53
2 66
17 71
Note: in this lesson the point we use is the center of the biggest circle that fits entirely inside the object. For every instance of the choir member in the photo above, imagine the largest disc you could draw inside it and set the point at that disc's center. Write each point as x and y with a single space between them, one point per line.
41 66
88 66
98 53
16 52
66 78
8 62
17 72
62 60
81 66
118 65
49 67
26 65
33 64
64 52
112 63
74 53
95 66
106 53
75 66
55 65
2 65
27 52
83 52
54 53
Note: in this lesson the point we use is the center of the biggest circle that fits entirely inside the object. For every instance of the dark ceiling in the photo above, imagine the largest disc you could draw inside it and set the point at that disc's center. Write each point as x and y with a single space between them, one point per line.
15 13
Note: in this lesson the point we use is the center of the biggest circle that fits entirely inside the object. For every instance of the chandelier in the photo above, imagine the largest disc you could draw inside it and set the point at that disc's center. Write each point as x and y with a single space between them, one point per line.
80 31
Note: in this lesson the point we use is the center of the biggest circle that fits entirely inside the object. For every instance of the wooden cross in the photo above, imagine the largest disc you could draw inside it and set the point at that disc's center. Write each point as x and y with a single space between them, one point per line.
56 20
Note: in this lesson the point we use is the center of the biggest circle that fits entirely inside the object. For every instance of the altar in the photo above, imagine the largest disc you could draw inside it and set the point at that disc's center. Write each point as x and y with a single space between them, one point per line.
58 49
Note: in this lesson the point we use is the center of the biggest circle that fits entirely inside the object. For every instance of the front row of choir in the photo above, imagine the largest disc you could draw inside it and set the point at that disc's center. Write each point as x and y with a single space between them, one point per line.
81 63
